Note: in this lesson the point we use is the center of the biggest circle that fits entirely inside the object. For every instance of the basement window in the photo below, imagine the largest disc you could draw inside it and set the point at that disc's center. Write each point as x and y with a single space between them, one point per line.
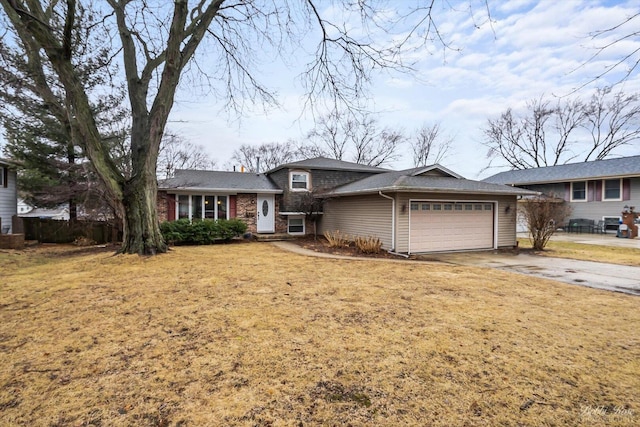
295 225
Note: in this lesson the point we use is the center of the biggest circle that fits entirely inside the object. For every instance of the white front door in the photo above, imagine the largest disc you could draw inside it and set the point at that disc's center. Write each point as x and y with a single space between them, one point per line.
266 214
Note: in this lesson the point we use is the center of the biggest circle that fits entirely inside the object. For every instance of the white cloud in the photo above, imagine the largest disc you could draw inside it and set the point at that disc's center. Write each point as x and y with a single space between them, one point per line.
531 48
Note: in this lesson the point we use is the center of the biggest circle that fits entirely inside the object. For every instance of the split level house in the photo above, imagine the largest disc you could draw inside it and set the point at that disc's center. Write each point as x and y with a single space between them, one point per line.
425 209
597 191
8 195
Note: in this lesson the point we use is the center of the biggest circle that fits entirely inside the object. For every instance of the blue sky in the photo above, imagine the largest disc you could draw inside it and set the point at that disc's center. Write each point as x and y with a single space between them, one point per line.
530 48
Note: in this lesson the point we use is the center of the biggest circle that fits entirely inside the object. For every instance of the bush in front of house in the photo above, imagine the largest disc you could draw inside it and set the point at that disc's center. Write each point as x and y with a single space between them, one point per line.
201 232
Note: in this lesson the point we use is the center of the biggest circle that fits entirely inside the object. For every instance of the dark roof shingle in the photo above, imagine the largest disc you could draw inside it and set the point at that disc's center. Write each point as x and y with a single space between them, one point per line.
406 181
219 181
324 163
608 168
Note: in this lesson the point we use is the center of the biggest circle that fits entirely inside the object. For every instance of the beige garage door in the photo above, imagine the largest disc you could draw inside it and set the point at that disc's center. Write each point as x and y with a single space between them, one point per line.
443 226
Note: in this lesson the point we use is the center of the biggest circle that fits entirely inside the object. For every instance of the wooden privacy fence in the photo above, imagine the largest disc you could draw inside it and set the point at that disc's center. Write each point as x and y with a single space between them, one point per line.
61 231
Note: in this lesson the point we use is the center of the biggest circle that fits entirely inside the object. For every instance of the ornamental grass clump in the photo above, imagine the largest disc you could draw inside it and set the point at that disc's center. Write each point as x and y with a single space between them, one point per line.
368 245
337 239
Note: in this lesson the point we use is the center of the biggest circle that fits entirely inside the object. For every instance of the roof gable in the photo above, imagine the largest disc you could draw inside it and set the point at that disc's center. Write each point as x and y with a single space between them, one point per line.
435 170
597 169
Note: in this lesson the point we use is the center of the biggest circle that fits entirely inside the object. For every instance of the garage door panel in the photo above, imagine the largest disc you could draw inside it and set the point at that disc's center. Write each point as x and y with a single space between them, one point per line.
467 226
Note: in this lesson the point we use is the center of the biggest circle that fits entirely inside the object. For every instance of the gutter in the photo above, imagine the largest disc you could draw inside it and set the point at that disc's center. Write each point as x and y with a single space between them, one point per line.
393 219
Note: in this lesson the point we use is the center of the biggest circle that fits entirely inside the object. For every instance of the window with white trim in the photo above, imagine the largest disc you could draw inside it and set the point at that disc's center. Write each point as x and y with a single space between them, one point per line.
2 174
196 206
612 189
578 191
295 224
299 181
184 208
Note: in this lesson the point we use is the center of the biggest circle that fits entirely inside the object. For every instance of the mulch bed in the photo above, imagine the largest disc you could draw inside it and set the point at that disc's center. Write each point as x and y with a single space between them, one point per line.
320 244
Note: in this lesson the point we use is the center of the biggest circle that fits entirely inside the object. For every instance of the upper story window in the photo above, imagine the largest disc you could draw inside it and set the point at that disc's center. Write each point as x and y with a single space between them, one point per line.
578 191
612 189
2 179
299 181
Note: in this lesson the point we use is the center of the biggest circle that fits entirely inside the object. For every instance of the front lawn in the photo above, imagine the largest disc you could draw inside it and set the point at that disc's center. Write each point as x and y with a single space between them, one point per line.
587 252
250 335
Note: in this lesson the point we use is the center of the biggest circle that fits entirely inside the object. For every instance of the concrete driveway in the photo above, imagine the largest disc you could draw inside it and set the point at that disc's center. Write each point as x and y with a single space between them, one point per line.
617 278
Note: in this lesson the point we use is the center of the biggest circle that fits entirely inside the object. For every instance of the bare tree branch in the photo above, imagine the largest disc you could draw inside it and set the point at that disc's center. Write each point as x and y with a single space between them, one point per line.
547 135
428 145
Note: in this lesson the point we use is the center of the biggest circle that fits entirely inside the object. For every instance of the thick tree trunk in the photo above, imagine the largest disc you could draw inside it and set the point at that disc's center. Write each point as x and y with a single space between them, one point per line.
141 228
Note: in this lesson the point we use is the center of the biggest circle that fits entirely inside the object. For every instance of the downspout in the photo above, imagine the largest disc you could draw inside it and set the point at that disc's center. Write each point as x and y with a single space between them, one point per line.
393 220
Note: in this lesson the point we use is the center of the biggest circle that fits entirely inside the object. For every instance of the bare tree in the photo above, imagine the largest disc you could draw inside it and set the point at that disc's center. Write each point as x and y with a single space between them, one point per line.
355 137
263 157
428 145
549 134
543 215
155 44
331 135
178 153
612 122
624 37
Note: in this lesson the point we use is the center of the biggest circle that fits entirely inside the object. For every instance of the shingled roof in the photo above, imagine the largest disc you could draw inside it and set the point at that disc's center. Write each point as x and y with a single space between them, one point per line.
237 182
598 169
323 163
432 179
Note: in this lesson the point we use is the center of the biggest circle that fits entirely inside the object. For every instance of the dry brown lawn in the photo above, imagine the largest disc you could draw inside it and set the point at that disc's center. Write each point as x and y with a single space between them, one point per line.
598 253
250 335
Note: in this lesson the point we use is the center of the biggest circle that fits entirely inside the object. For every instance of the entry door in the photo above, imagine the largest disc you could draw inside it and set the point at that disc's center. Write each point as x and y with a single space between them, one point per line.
266 214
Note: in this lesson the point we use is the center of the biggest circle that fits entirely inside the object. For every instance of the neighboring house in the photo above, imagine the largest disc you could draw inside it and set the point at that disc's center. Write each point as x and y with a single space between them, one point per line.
8 195
23 207
417 210
59 213
596 190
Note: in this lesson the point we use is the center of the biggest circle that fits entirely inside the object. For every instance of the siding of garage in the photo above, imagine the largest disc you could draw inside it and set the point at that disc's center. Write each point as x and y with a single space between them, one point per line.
506 234
359 216
507 216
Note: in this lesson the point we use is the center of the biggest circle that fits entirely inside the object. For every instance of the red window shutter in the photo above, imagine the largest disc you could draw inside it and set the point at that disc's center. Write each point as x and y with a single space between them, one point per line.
567 192
591 191
232 207
626 189
171 207
598 191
